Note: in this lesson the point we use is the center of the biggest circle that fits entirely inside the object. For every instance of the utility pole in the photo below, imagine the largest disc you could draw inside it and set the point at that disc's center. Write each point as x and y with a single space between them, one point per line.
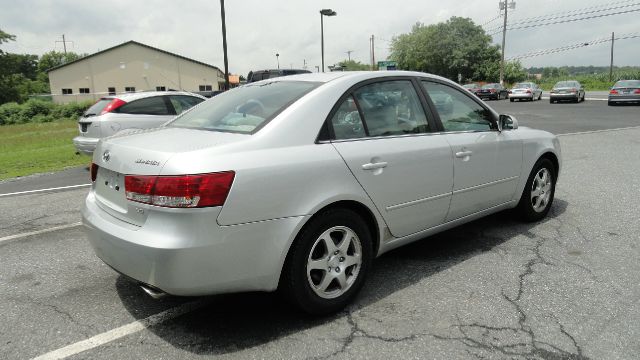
373 52
504 6
349 54
224 46
64 43
611 66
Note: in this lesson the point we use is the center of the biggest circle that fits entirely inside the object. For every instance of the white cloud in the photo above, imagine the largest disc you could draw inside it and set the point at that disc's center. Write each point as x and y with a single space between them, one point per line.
258 29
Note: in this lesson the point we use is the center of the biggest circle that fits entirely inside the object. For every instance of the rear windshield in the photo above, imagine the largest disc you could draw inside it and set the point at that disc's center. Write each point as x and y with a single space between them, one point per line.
490 86
245 109
627 83
522 86
471 86
560 84
97 108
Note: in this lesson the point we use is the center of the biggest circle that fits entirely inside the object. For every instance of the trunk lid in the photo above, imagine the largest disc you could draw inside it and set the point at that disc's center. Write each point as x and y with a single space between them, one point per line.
143 152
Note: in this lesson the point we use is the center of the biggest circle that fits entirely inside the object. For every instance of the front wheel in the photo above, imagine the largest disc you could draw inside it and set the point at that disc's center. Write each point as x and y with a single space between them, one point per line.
538 193
328 262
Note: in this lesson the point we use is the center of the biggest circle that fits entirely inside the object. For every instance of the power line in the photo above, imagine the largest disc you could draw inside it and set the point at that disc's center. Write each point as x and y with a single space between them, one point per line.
492 20
546 18
572 12
573 46
568 20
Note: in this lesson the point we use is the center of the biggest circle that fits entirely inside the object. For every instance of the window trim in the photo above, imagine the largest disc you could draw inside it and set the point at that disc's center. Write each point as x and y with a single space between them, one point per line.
350 92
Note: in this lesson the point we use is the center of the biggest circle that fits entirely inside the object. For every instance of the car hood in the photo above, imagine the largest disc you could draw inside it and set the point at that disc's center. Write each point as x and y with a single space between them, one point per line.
145 152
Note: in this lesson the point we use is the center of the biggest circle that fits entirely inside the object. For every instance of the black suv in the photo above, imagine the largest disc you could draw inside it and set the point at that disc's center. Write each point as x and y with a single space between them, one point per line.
268 74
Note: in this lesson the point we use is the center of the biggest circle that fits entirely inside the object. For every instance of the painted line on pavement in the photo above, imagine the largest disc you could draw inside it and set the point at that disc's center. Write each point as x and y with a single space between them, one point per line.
599 131
38 232
43 190
122 331
590 99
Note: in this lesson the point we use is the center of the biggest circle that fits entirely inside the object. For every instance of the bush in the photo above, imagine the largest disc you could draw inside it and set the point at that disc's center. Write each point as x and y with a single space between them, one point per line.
37 111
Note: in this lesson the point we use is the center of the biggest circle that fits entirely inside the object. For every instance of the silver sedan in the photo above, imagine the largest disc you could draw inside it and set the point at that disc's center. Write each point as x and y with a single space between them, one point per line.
299 182
525 91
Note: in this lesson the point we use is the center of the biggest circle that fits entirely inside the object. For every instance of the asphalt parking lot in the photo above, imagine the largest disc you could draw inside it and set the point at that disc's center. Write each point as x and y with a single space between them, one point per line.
567 287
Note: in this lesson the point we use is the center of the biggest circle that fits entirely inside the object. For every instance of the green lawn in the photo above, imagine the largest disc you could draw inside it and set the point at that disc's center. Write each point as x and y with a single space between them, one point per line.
38 147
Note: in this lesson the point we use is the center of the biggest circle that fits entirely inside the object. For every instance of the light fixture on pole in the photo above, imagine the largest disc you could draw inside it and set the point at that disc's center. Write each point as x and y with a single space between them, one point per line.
324 12
278 60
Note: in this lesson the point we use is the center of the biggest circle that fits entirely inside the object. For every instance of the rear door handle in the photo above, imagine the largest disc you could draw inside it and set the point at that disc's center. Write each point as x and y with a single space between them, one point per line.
373 166
461 154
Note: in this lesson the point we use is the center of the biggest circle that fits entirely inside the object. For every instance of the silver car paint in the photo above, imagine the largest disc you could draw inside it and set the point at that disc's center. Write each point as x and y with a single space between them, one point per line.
180 250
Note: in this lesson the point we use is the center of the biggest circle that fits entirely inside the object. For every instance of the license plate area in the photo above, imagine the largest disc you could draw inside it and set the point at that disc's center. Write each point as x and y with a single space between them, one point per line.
110 189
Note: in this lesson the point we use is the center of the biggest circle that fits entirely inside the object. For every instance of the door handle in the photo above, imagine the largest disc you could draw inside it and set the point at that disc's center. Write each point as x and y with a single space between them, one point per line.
461 154
373 166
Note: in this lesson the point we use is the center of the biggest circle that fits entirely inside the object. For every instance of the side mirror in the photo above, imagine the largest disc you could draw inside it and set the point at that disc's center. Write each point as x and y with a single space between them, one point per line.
507 122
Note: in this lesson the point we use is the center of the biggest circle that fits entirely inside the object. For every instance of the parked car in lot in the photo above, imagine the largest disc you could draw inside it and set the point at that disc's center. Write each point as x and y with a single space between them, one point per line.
493 91
570 90
143 110
624 91
473 88
258 75
298 182
525 91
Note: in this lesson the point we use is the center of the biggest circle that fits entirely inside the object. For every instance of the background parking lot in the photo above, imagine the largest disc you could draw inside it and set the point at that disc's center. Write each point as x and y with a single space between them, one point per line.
567 287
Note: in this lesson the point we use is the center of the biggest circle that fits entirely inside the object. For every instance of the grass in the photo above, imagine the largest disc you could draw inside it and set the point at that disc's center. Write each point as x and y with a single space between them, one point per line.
33 148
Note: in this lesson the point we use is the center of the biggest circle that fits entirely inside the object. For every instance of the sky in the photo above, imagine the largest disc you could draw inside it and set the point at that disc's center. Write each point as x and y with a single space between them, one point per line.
257 30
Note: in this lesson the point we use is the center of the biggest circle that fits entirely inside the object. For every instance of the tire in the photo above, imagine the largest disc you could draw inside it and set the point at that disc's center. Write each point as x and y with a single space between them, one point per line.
540 96
611 103
317 287
512 100
537 196
551 101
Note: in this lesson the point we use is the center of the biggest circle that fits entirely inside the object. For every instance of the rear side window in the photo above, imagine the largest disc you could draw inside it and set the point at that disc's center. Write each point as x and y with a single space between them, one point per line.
182 102
148 106
346 122
244 109
97 108
391 108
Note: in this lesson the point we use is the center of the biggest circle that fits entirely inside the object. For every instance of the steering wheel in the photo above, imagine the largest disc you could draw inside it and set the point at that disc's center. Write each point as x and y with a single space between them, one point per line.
253 107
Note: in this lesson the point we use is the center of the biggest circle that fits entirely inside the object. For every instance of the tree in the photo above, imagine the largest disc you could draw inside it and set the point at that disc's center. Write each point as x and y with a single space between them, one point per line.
4 38
457 46
54 58
352 65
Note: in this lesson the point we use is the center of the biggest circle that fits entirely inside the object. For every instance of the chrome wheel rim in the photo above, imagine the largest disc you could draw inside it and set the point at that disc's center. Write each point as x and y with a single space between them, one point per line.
541 190
334 262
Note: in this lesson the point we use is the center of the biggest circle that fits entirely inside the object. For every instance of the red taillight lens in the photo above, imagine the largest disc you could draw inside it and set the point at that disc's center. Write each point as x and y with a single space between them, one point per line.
528 91
202 190
636 91
114 104
93 169
613 92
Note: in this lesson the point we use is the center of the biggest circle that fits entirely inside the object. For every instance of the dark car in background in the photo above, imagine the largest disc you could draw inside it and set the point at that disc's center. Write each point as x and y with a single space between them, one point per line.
625 91
258 75
570 90
473 88
493 91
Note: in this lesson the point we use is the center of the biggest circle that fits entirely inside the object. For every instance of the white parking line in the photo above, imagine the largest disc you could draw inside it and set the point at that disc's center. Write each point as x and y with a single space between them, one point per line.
122 331
38 232
589 99
599 131
43 190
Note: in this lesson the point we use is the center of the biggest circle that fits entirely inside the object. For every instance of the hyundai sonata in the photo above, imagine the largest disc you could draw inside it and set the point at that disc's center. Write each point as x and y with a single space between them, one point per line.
297 183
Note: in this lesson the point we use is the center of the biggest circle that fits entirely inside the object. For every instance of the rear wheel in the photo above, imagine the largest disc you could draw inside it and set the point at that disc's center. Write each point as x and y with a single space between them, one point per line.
611 103
540 96
538 192
328 262
512 100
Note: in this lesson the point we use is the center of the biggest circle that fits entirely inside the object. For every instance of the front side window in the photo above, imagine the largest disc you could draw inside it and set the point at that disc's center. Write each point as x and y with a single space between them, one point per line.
246 108
148 106
457 111
391 108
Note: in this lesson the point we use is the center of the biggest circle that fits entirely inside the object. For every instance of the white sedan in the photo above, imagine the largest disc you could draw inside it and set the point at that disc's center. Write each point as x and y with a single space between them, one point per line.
299 182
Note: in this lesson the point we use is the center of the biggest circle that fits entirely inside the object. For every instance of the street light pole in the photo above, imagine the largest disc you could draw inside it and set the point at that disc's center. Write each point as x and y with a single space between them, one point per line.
324 12
224 46
278 60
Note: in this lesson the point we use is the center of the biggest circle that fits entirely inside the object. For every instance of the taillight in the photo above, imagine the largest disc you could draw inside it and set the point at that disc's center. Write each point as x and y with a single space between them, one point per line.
574 90
528 91
93 169
114 104
636 91
613 92
182 191
493 90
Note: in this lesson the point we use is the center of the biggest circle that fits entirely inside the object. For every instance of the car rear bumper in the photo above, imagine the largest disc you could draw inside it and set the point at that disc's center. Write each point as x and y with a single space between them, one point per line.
520 96
85 145
624 98
187 253
569 96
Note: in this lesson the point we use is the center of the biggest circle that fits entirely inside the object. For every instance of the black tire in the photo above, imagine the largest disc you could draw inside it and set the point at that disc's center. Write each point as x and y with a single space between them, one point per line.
551 101
525 209
540 96
611 103
512 100
295 284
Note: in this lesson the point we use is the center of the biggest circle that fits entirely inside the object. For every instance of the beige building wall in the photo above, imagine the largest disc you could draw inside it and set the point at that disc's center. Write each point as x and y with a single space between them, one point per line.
130 65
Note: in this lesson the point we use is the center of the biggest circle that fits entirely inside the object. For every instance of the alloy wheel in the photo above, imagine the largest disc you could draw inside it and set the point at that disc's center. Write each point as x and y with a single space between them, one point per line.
541 190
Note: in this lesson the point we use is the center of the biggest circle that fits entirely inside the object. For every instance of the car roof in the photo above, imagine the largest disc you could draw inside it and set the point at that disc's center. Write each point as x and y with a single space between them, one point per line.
145 94
350 75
